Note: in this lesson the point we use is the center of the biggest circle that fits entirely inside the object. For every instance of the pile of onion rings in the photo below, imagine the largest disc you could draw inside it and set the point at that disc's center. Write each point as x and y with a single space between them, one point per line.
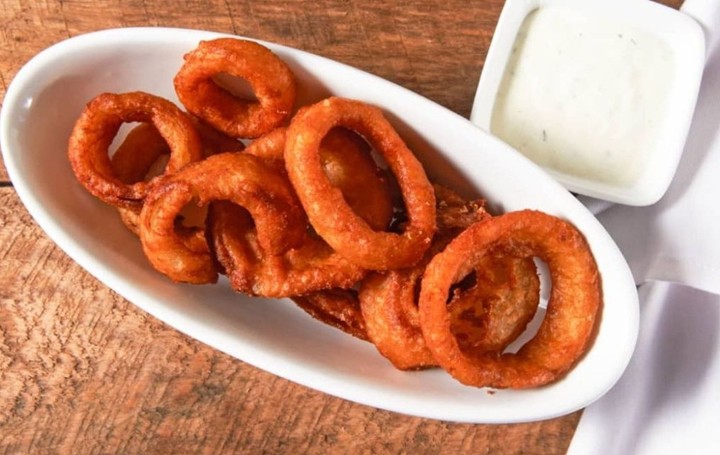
326 205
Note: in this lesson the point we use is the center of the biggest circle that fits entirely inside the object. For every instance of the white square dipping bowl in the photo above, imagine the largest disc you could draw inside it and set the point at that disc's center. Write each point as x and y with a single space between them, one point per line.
675 31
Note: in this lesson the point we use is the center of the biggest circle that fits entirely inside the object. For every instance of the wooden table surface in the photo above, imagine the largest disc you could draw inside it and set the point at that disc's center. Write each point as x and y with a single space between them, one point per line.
84 371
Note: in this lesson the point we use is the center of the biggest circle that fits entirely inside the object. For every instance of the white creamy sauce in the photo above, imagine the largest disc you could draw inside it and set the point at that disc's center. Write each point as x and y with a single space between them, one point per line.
583 95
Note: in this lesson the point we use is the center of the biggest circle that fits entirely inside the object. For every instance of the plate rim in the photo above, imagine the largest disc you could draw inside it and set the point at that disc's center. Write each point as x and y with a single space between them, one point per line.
193 328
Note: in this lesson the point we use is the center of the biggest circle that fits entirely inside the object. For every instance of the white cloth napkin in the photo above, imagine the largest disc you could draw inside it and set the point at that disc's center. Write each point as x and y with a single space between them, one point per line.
668 401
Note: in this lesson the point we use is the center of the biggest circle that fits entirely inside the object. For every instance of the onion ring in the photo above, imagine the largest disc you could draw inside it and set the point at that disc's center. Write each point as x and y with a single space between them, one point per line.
572 310
389 300
327 210
237 177
487 317
272 82
99 123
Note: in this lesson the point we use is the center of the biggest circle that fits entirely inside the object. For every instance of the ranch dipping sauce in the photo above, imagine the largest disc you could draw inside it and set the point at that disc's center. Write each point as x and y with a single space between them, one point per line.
583 95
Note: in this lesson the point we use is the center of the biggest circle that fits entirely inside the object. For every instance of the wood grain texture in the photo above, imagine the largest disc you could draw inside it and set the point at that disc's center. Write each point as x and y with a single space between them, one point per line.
84 371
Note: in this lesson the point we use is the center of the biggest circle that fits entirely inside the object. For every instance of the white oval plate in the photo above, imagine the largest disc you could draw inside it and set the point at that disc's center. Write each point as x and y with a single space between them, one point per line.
46 97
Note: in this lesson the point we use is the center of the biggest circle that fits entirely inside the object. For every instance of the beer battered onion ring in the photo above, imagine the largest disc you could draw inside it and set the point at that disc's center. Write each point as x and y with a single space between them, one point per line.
572 310
326 208
98 125
488 315
242 179
485 318
272 82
